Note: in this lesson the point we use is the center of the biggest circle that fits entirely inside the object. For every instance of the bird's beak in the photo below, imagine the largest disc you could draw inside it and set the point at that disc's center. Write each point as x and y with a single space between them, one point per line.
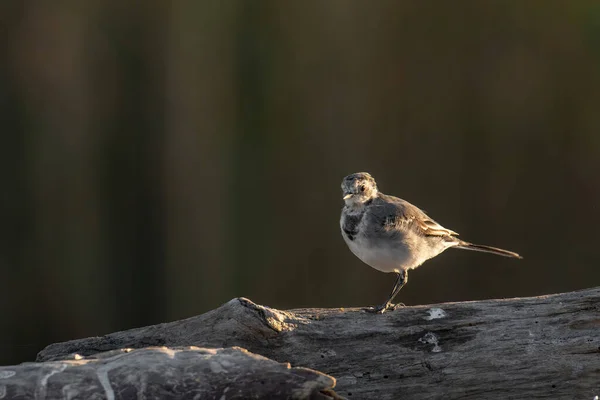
346 197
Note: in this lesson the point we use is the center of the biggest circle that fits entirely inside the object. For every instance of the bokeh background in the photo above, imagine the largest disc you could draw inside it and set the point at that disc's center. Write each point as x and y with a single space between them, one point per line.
159 158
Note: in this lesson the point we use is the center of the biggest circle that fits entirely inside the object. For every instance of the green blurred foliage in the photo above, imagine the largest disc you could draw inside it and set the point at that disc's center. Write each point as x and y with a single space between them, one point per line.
160 158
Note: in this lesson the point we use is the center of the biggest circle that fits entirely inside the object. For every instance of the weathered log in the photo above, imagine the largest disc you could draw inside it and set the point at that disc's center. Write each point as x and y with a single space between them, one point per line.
163 373
539 347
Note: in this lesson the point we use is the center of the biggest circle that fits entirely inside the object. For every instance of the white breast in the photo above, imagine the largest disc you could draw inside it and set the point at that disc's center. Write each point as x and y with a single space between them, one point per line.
382 258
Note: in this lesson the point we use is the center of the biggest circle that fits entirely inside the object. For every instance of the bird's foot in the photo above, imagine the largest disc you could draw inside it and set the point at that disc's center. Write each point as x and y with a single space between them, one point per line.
380 309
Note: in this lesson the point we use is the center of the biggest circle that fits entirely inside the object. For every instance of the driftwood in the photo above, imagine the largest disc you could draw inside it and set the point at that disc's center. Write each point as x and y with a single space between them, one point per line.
540 347
163 373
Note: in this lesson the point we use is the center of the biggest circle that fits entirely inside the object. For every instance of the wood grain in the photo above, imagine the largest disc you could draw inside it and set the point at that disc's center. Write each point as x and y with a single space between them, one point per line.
164 373
539 347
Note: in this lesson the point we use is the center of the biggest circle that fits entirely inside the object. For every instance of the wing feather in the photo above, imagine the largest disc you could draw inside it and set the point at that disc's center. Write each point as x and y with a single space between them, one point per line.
390 212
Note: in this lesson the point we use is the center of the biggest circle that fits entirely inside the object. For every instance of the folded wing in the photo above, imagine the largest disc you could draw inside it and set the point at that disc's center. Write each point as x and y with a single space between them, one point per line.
391 212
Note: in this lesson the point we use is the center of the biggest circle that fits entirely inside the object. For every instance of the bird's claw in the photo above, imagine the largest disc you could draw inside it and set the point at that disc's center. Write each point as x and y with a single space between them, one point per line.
380 309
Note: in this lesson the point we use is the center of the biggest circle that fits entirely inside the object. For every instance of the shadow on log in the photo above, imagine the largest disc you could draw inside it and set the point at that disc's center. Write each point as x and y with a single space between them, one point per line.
539 347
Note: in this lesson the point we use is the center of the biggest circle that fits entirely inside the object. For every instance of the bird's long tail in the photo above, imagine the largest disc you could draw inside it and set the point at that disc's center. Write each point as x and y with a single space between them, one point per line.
486 249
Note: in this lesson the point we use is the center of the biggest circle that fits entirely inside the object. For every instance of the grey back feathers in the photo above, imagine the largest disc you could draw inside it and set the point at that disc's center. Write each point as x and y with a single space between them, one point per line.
400 214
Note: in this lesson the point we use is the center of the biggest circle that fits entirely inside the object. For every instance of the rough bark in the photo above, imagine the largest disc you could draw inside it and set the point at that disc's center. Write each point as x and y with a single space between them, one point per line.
539 347
163 373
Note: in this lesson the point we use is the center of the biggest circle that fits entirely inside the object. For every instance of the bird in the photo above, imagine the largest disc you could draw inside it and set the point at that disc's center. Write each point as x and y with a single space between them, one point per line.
392 235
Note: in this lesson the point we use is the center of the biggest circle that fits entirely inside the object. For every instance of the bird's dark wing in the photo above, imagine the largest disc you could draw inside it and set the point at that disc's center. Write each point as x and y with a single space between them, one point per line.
389 213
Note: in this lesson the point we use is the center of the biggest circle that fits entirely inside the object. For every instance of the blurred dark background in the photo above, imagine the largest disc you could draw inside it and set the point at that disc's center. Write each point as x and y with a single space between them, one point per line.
159 158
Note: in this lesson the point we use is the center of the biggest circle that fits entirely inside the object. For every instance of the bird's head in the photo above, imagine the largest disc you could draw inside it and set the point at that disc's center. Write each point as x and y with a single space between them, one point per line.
358 188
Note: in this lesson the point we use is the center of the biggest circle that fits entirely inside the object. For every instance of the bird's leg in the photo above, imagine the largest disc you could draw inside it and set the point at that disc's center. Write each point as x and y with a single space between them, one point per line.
401 279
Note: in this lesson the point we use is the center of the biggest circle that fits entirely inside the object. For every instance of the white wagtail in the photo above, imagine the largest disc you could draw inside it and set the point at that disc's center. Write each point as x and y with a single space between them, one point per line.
392 235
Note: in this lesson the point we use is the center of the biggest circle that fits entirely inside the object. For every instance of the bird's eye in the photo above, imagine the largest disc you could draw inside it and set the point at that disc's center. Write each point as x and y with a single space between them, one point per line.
362 188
